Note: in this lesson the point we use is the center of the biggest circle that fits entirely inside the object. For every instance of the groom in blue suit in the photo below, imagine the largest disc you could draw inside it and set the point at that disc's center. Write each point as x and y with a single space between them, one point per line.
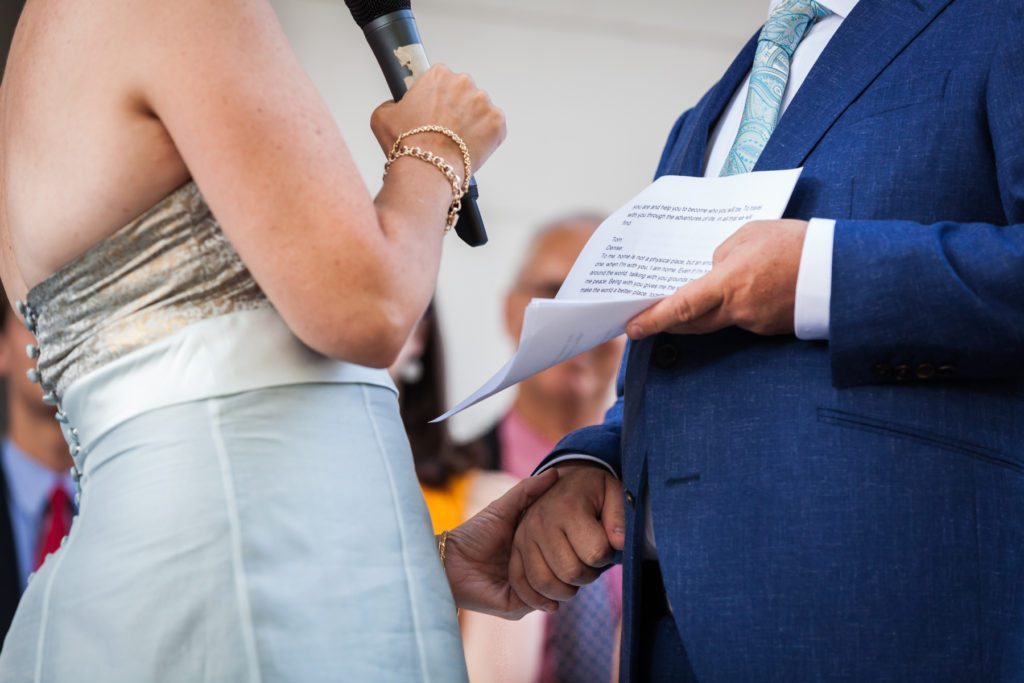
820 445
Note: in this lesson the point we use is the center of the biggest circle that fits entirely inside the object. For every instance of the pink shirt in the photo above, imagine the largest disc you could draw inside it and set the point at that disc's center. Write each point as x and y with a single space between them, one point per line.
522 448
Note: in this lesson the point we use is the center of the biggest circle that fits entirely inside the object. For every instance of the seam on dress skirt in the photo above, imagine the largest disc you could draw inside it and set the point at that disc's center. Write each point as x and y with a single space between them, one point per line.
235 526
410 584
44 618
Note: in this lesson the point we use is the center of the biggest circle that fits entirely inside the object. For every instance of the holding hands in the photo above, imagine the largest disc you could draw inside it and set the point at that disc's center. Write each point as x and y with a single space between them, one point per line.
536 545
477 552
568 536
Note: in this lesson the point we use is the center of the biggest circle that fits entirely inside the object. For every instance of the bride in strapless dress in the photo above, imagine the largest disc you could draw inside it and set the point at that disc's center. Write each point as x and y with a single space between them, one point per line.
215 294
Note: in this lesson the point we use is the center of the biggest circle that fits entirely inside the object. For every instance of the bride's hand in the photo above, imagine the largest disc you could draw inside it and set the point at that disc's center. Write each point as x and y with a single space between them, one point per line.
448 99
477 552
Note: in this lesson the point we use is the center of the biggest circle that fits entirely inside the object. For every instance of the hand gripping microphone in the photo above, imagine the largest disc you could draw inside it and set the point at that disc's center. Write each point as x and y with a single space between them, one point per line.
390 29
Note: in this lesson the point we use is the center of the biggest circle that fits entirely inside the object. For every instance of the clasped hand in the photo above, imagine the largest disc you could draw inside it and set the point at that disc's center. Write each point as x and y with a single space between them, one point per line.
537 544
534 547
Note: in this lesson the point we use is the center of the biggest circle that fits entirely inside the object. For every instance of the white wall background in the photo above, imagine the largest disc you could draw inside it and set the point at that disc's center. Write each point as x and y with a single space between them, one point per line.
590 88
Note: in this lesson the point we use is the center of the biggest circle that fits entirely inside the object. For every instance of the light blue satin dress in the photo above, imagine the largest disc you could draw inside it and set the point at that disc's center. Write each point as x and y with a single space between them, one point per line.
249 510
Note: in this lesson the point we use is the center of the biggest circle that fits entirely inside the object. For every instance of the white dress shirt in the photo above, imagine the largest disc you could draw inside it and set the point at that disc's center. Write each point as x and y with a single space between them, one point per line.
814 279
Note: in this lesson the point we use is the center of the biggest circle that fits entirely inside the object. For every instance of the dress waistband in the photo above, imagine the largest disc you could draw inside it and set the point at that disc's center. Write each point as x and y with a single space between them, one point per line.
227 354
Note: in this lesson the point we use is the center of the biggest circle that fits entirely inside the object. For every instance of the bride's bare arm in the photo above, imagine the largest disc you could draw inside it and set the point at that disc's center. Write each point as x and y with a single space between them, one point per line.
349 274
9 273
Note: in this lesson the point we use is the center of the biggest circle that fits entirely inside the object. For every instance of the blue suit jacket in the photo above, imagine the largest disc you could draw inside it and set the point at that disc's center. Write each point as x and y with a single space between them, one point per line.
854 510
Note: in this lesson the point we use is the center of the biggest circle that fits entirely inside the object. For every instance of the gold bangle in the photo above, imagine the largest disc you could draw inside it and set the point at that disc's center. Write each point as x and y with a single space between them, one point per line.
442 546
459 186
441 165
448 132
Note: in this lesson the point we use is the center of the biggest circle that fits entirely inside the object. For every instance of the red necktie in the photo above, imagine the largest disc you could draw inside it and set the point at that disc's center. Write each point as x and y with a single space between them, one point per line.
56 523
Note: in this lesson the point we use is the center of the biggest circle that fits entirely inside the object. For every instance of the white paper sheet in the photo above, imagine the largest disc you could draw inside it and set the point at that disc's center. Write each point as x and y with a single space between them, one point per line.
662 239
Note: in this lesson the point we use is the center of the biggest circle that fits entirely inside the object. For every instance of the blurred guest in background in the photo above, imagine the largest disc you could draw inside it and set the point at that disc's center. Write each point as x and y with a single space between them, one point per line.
36 491
581 639
456 487
552 403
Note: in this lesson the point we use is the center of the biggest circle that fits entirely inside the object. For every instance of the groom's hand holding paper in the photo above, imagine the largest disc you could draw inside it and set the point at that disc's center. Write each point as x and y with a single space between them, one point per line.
664 238
752 285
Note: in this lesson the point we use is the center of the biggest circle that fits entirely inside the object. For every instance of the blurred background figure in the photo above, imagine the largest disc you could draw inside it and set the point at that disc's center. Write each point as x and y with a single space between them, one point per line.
582 638
36 491
456 486
552 403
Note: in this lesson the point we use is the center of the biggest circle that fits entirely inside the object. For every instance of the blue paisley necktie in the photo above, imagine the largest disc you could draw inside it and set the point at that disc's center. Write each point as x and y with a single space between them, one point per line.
786 27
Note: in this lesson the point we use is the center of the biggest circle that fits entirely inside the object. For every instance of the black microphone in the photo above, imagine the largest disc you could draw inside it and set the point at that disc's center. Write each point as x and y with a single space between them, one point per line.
390 29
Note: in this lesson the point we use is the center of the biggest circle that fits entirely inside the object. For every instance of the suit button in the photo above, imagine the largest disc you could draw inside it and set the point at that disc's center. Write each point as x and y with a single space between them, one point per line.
665 356
901 372
925 371
947 371
883 371
630 498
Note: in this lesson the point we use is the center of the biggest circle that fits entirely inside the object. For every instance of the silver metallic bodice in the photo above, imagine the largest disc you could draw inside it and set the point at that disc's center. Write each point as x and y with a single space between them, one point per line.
168 268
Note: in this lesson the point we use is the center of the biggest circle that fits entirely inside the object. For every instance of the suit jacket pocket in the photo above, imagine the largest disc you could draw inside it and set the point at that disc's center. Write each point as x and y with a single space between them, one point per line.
896 430
878 100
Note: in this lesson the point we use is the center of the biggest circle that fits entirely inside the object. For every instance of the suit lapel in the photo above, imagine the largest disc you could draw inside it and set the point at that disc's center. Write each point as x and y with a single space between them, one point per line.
691 159
870 38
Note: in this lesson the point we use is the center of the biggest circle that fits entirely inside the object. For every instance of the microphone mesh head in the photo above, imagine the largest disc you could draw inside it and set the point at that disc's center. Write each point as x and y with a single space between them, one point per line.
365 11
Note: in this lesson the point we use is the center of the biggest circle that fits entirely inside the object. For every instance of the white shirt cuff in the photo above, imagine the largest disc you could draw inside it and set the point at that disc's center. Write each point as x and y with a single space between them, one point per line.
814 281
576 456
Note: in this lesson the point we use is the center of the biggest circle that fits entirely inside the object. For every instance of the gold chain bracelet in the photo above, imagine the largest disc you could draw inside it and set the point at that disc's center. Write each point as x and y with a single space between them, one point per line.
442 546
442 551
448 132
459 186
441 165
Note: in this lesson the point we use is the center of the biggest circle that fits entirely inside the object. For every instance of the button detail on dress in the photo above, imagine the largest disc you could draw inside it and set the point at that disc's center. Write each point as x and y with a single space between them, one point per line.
33 375
32 351
630 498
